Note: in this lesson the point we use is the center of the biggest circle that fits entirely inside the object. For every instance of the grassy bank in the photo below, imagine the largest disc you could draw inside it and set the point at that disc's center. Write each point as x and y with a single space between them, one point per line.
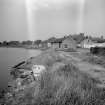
62 84
100 60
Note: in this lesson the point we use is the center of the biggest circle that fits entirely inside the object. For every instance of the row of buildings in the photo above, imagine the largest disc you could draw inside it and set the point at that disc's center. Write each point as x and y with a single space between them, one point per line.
69 43
60 43
88 43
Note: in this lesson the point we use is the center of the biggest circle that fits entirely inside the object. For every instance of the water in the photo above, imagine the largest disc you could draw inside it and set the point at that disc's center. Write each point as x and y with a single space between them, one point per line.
10 57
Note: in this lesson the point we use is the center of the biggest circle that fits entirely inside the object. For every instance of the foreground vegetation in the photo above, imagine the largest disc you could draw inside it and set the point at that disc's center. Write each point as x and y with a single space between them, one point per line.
62 84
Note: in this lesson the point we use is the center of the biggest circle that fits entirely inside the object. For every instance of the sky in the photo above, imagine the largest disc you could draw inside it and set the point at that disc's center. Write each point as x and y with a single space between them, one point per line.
42 19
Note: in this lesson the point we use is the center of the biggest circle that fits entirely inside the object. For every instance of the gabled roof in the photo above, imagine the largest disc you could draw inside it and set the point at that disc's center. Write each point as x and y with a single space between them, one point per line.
58 40
69 39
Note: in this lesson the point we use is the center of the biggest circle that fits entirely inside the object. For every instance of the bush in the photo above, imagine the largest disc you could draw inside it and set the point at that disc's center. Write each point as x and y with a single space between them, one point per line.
95 60
97 50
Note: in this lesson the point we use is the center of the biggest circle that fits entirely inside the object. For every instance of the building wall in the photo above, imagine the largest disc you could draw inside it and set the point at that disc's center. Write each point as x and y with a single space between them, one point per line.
68 44
55 45
87 43
49 44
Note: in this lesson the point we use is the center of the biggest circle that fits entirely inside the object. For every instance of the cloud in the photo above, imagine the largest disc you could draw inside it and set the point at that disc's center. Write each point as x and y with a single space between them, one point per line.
37 4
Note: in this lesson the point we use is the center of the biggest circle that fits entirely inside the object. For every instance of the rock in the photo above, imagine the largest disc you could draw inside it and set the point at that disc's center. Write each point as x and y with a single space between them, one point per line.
8 94
21 63
38 69
26 72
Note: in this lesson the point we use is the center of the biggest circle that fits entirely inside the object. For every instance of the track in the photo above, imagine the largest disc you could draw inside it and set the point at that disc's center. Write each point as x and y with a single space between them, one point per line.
96 71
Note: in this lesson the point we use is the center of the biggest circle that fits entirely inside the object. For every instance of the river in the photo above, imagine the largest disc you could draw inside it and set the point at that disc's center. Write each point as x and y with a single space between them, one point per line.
10 57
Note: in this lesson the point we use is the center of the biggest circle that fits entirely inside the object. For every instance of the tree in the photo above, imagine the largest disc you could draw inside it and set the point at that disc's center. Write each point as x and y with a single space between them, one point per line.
37 42
78 37
14 43
28 42
52 39
5 43
102 37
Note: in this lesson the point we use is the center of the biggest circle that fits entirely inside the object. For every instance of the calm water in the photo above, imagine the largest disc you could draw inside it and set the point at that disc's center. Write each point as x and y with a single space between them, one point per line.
10 57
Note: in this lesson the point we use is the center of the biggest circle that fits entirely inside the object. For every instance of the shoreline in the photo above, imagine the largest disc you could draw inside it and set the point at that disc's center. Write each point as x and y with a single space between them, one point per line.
17 47
12 66
27 48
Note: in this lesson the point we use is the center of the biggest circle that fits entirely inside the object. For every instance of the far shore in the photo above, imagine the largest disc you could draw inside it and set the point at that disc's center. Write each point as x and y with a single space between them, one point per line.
18 47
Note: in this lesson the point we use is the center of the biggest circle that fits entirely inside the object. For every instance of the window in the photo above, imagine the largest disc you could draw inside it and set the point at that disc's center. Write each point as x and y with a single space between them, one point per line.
65 46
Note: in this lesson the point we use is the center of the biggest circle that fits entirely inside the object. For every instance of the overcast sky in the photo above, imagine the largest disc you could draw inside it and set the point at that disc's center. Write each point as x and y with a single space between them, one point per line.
41 19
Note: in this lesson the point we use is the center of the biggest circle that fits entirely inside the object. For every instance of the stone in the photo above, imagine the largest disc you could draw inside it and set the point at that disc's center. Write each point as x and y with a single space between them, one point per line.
38 69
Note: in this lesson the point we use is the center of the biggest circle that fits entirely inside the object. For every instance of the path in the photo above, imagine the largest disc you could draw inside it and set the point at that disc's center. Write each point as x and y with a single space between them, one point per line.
94 70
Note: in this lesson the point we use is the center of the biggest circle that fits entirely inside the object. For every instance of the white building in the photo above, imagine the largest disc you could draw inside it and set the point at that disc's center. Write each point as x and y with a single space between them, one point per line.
88 43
